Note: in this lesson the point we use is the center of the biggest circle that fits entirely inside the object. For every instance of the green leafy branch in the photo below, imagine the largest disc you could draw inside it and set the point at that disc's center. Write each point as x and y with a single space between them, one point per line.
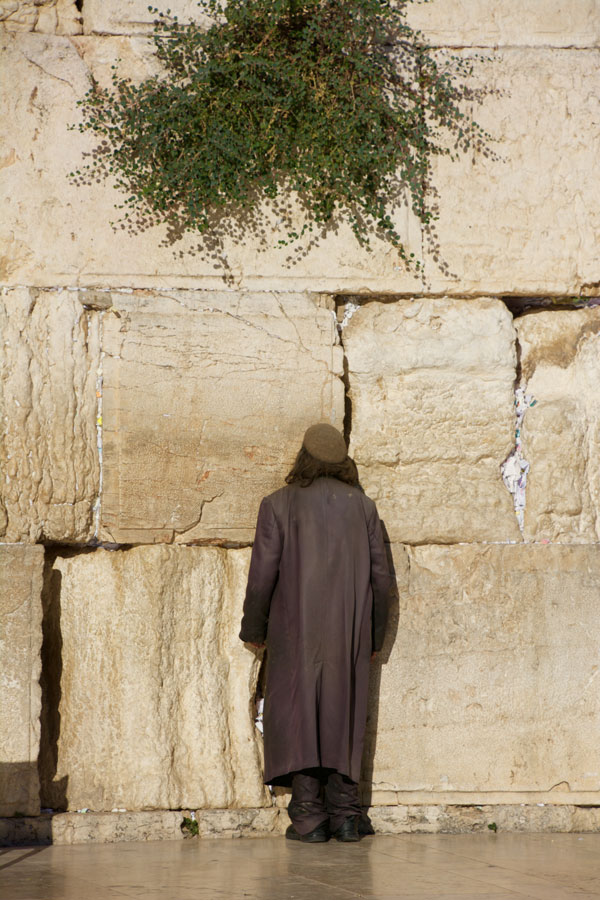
338 104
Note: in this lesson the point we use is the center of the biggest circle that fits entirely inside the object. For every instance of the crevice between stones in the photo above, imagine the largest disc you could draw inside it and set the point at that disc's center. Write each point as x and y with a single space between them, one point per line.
99 428
67 550
53 793
344 310
515 467
519 305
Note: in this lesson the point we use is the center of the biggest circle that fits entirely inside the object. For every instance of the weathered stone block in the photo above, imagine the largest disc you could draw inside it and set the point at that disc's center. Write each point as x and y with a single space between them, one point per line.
237 823
488 683
206 399
43 77
560 367
48 454
431 386
524 23
156 688
21 569
109 828
526 218
44 16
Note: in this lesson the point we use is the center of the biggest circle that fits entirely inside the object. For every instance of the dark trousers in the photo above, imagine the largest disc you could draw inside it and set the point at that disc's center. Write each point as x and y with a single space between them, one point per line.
321 794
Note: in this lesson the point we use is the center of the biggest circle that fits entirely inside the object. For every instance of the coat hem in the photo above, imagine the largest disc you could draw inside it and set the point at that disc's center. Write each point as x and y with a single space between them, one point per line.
285 779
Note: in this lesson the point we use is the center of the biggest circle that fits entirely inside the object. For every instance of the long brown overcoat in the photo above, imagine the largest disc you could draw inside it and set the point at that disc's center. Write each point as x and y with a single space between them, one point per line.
318 592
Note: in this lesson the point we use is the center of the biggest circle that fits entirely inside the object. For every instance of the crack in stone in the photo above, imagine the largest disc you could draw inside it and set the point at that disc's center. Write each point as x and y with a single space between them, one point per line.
180 531
49 74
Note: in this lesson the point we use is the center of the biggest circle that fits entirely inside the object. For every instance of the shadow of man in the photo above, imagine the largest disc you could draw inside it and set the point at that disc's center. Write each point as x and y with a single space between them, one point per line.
373 707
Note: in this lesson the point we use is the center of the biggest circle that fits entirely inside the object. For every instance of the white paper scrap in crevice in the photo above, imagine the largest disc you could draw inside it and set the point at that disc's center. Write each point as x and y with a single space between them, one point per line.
515 468
349 310
259 714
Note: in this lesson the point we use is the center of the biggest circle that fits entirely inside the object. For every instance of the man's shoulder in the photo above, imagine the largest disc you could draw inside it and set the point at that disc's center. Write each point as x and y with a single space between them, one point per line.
276 498
369 505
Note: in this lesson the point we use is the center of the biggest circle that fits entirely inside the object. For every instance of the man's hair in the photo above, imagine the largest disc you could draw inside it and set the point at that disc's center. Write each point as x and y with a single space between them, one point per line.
306 468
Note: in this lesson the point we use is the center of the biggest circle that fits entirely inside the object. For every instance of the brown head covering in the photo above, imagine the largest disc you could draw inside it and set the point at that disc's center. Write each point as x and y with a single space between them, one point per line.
325 443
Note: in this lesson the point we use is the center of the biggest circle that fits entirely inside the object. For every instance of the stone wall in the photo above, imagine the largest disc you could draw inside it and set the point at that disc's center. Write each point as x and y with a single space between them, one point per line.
152 394
521 221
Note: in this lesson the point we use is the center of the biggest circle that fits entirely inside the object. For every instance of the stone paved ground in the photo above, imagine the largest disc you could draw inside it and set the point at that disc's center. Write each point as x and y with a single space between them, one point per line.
407 867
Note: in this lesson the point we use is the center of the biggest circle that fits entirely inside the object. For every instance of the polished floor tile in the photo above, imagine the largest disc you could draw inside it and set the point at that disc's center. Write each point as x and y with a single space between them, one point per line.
402 867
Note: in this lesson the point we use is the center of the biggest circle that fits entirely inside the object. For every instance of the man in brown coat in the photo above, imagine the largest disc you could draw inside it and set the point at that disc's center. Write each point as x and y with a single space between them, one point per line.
318 592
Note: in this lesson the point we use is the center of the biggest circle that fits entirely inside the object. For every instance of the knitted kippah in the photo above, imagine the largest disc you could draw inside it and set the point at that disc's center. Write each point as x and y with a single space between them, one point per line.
325 443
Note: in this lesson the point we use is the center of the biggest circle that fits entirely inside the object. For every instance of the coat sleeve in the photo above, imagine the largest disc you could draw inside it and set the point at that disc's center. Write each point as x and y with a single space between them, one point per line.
383 583
263 574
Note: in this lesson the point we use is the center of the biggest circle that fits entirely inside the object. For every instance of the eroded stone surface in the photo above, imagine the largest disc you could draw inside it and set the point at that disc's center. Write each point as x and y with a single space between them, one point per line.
20 695
525 220
236 823
560 367
462 23
109 828
206 399
48 455
431 386
489 671
44 77
74 828
449 819
133 16
524 23
44 16
156 688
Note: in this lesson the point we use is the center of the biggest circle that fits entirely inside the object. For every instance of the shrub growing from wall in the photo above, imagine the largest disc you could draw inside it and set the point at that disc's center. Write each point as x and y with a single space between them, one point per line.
336 102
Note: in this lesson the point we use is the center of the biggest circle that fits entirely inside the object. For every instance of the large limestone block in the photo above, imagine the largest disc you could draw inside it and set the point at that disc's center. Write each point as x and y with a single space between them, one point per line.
523 221
42 79
560 368
431 387
489 675
44 16
49 472
156 688
525 23
206 398
20 667
526 220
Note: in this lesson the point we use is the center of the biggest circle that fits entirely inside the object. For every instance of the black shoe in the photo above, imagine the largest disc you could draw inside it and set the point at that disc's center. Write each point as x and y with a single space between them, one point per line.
364 825
348 830
318 835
